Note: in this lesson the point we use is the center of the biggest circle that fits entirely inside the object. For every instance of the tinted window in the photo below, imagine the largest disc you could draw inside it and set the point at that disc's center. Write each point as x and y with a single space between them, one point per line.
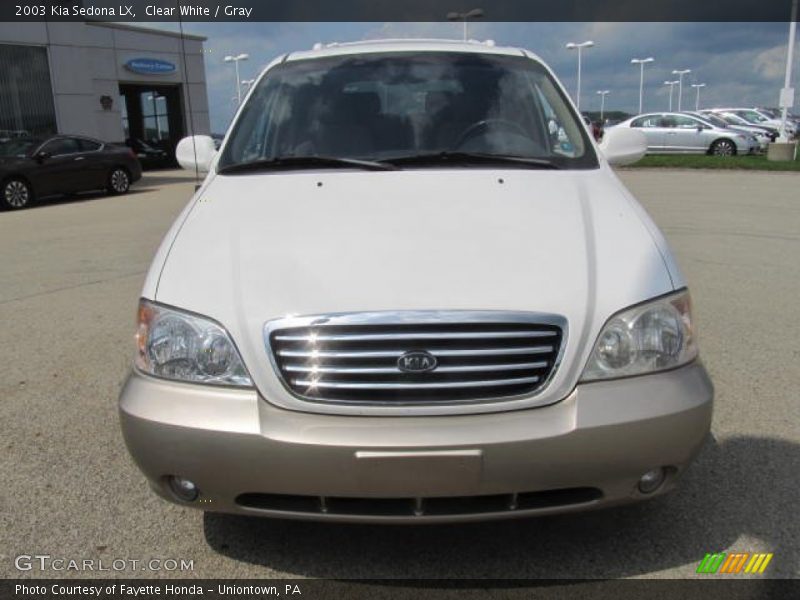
26 97
379 106
61 146
88 145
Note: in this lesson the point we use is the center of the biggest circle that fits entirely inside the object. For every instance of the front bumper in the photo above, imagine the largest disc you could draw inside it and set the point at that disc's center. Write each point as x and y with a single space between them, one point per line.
249 457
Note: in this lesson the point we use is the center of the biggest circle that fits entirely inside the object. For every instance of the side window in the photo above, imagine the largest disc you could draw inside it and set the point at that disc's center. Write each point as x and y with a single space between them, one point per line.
62 146
88 145
648 121
682 122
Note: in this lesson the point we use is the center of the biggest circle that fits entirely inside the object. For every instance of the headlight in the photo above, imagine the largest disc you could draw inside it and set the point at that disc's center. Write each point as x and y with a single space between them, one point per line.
649 337
186 347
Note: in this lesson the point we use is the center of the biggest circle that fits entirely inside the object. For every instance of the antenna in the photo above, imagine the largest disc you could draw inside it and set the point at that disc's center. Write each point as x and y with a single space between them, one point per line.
188 96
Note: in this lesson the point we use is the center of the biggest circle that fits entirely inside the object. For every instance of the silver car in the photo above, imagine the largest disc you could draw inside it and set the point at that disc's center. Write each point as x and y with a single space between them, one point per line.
731 120
756 116
680 133
762 136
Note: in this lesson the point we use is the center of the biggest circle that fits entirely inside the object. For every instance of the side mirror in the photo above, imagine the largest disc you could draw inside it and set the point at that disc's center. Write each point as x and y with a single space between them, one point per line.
42 156
623 145
196 153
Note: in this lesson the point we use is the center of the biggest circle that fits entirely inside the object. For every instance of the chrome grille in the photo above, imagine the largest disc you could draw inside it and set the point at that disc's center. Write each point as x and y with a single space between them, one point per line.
356 358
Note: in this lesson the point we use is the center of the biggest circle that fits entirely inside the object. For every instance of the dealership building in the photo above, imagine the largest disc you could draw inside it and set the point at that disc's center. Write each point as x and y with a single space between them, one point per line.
104 80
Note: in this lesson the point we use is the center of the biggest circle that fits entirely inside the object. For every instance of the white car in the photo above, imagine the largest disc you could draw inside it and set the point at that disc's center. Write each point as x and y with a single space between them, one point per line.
412 289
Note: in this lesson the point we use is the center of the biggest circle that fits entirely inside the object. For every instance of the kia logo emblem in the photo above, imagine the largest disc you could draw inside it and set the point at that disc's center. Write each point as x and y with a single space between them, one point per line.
417 362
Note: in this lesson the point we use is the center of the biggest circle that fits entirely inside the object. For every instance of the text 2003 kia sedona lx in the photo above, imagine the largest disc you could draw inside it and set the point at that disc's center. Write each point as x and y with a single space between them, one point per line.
412 289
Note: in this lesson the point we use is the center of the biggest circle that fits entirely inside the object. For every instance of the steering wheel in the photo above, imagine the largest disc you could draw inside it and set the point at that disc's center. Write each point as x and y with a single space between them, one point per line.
479 126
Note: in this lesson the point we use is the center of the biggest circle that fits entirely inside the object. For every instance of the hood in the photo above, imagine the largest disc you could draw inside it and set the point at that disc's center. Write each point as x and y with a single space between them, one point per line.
262 246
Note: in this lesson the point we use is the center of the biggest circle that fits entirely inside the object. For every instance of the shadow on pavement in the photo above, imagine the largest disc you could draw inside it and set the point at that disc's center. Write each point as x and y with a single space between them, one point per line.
744 486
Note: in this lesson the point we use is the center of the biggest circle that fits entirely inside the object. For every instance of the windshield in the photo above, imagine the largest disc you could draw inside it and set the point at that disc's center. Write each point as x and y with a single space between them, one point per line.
732 119
752 116
714 120
380 107
18 147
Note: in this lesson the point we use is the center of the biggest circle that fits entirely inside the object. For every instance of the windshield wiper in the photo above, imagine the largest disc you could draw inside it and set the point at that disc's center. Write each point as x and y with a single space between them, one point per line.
434 158
300 162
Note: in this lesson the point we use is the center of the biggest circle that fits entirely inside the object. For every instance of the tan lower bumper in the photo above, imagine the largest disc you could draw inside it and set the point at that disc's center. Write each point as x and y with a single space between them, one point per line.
247 456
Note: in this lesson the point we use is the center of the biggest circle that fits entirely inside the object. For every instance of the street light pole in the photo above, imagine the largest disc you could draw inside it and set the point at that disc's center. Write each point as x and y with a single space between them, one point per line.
235 60
641 62
475 13
603 94
680 75
579 48
787 94
697 86
671 85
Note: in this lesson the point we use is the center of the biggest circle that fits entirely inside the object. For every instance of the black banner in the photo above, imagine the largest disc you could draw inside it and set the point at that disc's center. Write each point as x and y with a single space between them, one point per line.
134 11
318 589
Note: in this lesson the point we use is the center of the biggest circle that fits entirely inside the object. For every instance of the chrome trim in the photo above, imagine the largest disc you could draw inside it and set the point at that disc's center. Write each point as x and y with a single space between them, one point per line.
399 353
419 317
396 371
376 337
450 385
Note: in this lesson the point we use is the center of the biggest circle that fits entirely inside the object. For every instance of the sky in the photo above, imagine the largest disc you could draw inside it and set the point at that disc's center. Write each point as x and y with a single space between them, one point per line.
742 64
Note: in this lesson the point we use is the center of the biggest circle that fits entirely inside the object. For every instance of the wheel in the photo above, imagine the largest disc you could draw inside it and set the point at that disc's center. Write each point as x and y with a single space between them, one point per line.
723 148
119 182
16 193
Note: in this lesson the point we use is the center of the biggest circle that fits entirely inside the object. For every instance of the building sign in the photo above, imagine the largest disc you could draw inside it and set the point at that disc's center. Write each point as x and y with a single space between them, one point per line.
150 66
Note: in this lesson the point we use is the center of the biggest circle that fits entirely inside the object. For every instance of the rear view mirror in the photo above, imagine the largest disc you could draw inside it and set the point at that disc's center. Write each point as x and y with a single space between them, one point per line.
196 153
42 156
623 145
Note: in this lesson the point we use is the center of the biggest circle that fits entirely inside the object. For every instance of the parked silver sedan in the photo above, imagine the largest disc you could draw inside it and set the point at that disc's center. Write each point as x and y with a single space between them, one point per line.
687 134
761 135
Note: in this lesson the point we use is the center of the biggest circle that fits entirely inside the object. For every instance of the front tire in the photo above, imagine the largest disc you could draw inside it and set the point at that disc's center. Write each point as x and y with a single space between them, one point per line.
16 193
119 181
723 148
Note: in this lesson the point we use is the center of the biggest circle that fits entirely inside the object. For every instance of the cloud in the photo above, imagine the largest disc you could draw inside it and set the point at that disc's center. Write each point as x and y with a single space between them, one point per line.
741 63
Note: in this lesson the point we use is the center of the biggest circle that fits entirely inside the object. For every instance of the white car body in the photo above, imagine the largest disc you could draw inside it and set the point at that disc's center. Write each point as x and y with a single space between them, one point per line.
253 248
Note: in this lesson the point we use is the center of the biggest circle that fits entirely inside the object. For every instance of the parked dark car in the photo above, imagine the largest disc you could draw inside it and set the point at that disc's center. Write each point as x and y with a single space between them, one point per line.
37 167
150 156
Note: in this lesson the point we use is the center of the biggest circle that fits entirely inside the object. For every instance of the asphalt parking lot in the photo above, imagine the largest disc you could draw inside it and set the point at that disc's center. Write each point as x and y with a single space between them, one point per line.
70 276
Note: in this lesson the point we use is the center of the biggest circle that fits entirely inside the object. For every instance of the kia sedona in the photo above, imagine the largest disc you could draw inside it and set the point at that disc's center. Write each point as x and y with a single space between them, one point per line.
411 289
32 168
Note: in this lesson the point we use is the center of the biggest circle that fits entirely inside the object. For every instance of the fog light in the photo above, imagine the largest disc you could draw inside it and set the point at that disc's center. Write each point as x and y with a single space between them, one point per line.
183 488
652 480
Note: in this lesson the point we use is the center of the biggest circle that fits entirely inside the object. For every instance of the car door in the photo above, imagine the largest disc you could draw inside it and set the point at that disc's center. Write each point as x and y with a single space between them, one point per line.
57 171
687 134
94 164
651 127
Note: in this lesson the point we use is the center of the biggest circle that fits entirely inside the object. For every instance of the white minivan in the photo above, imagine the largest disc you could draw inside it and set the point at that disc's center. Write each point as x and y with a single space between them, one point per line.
412 289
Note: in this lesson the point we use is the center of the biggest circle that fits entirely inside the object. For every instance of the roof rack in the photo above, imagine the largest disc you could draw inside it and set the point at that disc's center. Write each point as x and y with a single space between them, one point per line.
322 46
